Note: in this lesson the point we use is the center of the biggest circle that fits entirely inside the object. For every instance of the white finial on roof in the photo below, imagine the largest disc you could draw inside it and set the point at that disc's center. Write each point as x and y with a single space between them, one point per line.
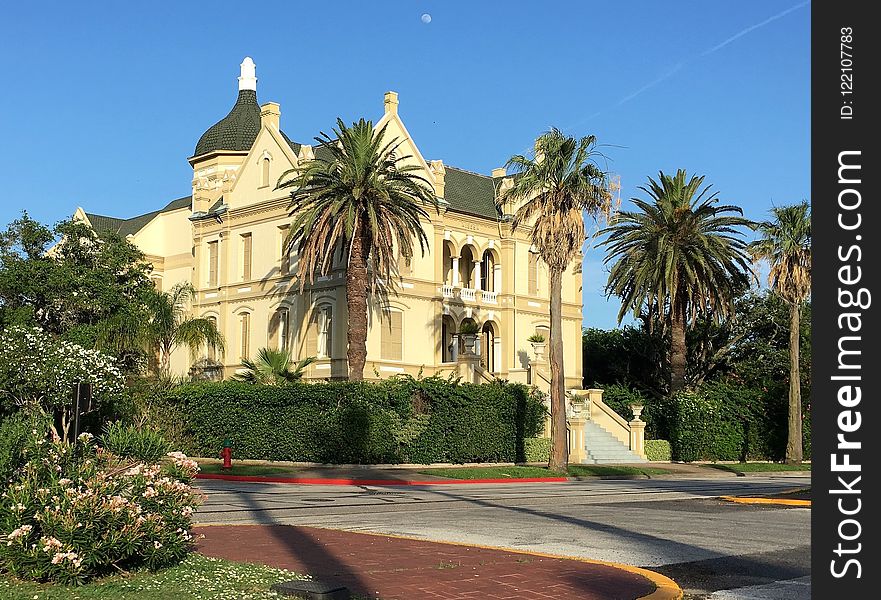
248 78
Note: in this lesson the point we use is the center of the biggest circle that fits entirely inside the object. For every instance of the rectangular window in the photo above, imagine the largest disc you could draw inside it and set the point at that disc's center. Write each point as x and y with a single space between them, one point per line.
325 332
285 255
533 273
246 334
392 336
246 256
212 263
405 265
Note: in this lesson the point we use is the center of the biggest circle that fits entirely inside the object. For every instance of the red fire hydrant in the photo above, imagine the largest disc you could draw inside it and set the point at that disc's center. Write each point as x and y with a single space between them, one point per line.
226 454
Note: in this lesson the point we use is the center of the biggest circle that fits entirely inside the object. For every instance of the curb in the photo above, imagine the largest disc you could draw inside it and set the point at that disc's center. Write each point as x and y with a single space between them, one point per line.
767 501
665 588
377 482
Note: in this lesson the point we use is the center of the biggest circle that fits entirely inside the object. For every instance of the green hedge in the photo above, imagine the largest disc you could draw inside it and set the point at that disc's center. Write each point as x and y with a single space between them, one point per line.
658 450
724 421
396 420
538 449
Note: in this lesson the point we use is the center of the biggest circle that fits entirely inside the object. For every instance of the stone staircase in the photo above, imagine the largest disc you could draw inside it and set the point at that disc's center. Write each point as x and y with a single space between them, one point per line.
603 448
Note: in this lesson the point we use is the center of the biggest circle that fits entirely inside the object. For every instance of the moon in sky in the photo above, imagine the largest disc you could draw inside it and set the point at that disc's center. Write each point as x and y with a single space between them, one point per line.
426 18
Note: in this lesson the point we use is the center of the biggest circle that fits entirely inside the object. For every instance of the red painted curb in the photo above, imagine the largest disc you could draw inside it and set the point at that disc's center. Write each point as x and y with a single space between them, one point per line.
383 482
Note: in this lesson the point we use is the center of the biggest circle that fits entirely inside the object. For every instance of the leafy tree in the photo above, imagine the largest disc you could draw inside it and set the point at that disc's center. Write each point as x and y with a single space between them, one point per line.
785 244
71 287
630 356
273 367
559 183
679 256
358 202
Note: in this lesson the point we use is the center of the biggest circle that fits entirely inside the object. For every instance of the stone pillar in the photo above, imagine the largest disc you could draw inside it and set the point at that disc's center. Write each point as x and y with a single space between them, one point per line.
637 433
577 454
477 265
455 271
468 363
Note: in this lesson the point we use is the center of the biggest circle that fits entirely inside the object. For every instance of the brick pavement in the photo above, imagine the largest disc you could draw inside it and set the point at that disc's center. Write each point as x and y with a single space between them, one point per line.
392 568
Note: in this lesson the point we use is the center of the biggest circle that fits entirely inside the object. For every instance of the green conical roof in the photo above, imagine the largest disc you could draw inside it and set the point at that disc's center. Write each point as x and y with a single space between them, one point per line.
236 131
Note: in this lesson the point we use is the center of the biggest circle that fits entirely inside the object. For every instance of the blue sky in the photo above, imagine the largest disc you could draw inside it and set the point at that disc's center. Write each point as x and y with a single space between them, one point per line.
105 101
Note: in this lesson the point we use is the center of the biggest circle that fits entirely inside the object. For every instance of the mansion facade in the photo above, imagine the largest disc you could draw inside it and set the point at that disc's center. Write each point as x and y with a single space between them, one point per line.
226 239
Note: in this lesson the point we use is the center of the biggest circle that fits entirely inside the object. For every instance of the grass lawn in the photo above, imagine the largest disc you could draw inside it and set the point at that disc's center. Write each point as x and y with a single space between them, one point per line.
542 472
611 471
254 470
759 467
197 578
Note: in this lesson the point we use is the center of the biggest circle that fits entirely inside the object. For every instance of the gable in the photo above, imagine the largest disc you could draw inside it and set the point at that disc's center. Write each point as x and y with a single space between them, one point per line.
250 187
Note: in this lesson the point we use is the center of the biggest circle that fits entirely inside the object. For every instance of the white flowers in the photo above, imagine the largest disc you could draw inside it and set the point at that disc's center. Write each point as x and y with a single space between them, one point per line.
21 532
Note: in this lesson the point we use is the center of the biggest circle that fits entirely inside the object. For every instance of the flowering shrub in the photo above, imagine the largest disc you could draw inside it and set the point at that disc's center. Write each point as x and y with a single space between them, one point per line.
40 371
76 511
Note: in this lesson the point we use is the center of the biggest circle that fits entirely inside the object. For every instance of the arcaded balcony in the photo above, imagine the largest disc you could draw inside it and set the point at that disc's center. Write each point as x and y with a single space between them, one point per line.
471 276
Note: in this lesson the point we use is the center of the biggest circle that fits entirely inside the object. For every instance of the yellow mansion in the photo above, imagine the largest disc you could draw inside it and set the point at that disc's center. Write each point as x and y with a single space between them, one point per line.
226 239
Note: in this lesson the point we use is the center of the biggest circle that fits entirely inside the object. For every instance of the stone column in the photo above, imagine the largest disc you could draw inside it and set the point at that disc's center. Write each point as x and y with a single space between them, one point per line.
637 433
455 271
477 265
577 454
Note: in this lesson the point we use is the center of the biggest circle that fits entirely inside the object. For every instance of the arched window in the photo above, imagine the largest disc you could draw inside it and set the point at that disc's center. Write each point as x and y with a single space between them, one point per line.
325 331
264 177
245 321
278 329
212 349
392 336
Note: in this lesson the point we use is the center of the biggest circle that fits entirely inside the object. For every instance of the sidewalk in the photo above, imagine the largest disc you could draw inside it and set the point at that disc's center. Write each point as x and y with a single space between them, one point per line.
394 568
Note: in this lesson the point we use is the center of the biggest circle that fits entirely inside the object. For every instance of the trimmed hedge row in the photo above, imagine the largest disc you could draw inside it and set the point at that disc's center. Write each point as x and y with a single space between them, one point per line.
658 450
401 419
722 421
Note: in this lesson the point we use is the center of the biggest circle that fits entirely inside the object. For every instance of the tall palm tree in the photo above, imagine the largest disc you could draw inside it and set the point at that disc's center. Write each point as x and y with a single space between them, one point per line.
785 243
358 200
161 325
678 256
273 367
559 183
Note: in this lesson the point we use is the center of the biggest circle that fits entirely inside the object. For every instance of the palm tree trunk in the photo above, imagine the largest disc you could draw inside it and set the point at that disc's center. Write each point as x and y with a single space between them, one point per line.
356 302
559 459
677 349
793 444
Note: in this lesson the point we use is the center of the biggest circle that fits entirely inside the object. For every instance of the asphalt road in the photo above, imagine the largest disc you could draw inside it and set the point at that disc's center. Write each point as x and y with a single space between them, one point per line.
678 527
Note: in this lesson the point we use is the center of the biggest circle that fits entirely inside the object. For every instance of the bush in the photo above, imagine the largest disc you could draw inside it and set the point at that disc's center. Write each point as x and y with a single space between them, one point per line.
15 432
657 450
725 421
128 441
75 512
537 449
396 420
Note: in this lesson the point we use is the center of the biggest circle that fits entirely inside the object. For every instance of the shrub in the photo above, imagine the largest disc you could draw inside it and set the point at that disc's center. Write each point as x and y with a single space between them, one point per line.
39 372
537 449
396 420
536 338
15 432
76 511
128 441
725 421
657 450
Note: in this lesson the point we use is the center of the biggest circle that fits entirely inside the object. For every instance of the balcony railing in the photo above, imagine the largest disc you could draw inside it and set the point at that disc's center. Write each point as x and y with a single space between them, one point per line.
489 297
449 291
467 294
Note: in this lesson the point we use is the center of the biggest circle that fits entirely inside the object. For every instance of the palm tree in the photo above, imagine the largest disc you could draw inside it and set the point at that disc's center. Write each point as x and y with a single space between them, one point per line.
273 367
161 325
680 255
557 185
785 243
359 201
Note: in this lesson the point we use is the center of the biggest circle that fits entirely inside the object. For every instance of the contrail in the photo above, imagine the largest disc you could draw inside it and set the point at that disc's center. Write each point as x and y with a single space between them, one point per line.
684 63
756 26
